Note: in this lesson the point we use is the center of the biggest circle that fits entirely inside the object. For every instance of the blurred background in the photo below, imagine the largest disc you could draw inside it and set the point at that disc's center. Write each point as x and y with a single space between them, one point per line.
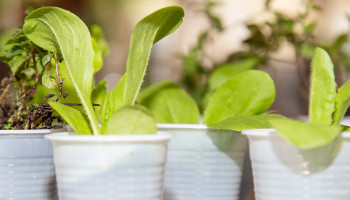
277 36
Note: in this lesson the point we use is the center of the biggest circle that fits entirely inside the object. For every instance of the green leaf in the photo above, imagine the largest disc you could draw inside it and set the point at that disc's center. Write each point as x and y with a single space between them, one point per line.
322 89
98 95
346 128
224 72
202 38
62 32
309 28
68 87
342 103
16 63
216 22
49 80
4 37
77 120
248 93
98 36
267 4
46 58
98 59
190 63
147 32
307 51
99 92
316 7
169 103
131 120
29 10
340 41
304 135
29 72
113 101
242 122
14 52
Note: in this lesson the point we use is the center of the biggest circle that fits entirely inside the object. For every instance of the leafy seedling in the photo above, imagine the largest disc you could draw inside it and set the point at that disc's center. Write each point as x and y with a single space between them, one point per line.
326 110
169 103
237 104
54 29
248 93
224 72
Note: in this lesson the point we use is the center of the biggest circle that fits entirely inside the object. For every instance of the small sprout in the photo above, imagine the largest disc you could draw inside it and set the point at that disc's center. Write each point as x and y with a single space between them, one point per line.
49 81
8 126
29 72
46 59
10 120
29 10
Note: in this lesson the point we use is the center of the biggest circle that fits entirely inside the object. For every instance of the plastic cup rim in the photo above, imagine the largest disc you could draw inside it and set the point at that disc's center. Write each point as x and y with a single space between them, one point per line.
271 132
31 131
182 126
71 137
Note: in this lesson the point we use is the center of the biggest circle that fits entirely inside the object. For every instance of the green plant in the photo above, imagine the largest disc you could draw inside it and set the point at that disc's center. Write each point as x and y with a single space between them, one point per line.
326 110
37 77
30 70
248 93
298 31
201 75
56 30
194 71
169 103
264 39
237 104
267 36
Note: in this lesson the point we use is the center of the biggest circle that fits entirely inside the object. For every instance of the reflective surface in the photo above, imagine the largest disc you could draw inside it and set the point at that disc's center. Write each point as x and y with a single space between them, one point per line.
282 171
26 166
203 163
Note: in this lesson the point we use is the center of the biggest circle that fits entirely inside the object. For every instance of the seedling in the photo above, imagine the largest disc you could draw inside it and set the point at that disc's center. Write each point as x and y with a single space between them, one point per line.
327 108
63 33
237 104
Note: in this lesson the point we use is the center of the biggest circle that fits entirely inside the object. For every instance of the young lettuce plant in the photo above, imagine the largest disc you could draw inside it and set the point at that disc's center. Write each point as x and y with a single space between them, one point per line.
98 92
64 33
169 103
327 108
237 104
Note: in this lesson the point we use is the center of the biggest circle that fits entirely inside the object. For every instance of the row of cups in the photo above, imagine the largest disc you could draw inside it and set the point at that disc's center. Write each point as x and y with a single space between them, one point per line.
180 162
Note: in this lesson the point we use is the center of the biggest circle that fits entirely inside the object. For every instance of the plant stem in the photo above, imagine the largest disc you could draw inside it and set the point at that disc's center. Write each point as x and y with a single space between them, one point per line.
58 76
4 93
27 94
38 120
36 74
6 89
27 124
20 109
78 104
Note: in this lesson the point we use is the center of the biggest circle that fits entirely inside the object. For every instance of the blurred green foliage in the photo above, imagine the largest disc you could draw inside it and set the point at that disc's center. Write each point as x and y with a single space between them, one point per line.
264 38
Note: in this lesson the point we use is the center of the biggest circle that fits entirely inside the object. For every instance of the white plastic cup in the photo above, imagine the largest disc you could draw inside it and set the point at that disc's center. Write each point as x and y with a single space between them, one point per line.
284 172
118 167
26 165
203 163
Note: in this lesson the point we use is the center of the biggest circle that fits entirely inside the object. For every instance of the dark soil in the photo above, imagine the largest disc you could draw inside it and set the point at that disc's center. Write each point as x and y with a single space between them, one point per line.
18 115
